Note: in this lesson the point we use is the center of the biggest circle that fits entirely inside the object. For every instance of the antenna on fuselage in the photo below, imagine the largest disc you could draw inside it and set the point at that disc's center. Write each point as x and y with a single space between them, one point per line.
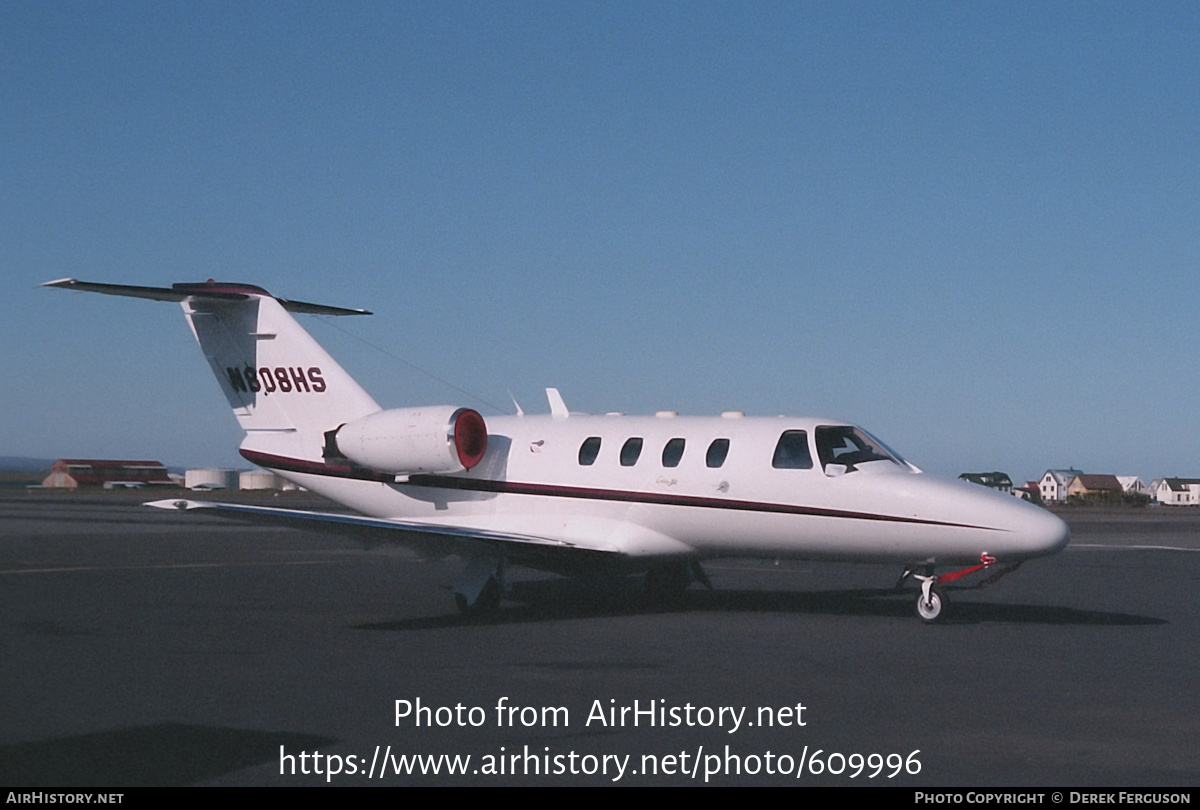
558 408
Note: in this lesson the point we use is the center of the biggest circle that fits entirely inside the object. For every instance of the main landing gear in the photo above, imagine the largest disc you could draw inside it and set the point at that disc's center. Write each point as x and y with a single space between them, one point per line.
481 587
931 600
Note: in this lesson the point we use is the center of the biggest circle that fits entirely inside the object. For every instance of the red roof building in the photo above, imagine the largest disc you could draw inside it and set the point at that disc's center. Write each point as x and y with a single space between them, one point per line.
89 472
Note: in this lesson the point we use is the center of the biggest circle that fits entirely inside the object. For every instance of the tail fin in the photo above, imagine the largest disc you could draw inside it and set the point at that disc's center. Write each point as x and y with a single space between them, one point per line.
284 389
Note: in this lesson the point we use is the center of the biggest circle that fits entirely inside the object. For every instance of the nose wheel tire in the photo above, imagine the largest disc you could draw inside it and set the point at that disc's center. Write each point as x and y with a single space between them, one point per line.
931 607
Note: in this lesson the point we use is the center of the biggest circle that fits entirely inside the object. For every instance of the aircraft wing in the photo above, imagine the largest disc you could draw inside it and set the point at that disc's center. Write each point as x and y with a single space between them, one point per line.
567 554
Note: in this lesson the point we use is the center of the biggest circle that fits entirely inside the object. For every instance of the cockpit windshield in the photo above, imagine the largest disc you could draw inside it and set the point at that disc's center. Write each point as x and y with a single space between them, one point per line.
850 446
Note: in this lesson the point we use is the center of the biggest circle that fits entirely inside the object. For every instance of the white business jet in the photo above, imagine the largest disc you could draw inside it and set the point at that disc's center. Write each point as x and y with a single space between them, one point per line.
577 494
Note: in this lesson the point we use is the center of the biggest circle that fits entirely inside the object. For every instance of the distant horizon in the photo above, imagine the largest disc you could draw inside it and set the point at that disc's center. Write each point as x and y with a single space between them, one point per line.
6 461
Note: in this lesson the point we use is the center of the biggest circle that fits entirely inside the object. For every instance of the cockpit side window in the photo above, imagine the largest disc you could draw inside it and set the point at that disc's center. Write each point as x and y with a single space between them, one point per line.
850 446
791 452
672 453
589 450
717 451
630 452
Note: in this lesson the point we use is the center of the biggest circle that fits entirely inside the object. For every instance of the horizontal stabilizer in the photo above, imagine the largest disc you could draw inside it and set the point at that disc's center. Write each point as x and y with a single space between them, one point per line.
211 290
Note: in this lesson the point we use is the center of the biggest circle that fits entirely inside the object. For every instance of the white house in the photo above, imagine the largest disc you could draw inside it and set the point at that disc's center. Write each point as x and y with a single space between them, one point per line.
1178 491
1134 486
1054 484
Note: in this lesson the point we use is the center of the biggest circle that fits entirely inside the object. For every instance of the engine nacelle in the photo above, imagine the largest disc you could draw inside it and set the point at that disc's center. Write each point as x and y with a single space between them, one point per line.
415 440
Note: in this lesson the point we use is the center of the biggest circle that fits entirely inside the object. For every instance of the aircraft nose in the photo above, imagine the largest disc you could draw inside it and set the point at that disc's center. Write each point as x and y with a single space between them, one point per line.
1047 533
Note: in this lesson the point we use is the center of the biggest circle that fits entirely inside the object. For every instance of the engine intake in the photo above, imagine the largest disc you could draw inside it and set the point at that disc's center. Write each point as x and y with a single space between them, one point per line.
404 441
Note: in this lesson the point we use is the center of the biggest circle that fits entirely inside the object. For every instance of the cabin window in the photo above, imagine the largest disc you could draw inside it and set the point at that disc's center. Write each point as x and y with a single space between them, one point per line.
717 451
589 450
672 453
791 452
630 452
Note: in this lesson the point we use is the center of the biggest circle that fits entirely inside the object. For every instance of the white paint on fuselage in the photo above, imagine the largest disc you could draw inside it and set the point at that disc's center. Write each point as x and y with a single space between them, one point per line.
882 511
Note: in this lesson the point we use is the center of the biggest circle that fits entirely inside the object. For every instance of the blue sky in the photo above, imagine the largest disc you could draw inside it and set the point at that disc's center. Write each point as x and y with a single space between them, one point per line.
973 228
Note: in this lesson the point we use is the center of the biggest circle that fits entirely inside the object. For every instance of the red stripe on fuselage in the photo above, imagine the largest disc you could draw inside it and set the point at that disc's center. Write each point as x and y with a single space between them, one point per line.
580 493
299 465
663 499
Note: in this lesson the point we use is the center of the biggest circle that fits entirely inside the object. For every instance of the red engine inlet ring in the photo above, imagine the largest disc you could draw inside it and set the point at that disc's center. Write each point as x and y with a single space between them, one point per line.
470 437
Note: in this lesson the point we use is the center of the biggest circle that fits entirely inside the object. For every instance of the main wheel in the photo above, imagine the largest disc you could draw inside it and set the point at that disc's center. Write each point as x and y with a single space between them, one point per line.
930 611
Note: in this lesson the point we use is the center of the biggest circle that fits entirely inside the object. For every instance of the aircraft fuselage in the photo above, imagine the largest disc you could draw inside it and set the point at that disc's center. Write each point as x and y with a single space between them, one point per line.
705 487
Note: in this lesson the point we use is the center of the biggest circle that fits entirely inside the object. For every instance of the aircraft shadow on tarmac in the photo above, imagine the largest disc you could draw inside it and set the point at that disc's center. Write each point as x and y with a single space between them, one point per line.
561 599
168 754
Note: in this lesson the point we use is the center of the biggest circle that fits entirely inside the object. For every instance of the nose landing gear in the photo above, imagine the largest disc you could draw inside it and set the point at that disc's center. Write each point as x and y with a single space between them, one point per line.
931 601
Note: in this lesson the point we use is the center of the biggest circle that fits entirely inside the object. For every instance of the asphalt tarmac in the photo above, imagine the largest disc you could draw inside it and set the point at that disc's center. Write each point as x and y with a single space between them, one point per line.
141 647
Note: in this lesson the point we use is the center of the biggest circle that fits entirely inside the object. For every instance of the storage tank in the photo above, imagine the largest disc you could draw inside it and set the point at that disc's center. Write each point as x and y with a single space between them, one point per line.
211 478
258 479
